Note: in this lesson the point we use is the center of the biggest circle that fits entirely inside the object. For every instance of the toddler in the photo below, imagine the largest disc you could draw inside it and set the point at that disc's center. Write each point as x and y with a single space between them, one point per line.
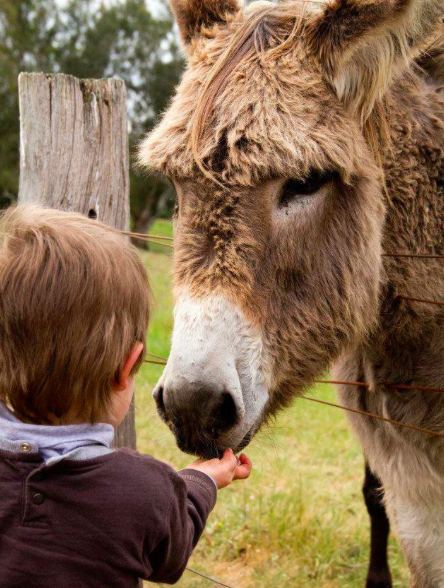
74 512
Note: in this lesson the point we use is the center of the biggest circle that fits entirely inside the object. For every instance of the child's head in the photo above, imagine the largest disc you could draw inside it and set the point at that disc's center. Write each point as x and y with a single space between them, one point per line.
74 309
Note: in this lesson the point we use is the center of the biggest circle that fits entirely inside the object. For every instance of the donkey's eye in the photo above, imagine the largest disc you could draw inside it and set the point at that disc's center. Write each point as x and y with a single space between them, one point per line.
298 189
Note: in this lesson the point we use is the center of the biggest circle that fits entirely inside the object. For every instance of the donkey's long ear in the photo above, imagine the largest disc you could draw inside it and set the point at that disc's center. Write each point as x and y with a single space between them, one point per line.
192 15
364 44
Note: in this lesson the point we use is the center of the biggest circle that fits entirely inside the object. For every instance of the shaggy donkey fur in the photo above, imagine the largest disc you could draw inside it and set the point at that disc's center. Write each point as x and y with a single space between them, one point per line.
305 140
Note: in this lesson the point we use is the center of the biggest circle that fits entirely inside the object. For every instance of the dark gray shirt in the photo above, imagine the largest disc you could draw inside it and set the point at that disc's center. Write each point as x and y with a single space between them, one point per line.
101 522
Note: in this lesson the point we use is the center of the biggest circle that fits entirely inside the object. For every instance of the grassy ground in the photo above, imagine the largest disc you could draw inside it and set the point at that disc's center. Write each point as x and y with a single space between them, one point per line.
300 520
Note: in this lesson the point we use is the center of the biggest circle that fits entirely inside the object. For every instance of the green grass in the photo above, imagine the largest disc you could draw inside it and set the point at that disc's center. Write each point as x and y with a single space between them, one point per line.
161 228
300 520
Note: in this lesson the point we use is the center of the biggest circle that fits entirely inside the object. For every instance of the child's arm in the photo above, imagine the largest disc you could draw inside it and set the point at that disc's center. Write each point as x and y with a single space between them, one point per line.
194 496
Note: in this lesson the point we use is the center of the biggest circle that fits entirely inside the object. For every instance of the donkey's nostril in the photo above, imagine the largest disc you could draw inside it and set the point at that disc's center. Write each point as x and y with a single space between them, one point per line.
225 414
158 397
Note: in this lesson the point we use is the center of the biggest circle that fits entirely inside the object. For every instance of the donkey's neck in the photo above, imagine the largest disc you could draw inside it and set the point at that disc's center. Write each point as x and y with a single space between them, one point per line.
414 173
414 169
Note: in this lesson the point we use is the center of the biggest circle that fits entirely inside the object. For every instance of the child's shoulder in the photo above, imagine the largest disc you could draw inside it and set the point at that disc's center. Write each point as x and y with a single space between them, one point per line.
136 468
134 463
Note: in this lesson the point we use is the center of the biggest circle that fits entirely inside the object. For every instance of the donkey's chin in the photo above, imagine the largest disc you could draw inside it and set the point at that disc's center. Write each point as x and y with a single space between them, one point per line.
206 447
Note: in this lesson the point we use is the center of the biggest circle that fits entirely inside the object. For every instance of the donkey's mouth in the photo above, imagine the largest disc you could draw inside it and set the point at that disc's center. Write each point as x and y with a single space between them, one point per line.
206 447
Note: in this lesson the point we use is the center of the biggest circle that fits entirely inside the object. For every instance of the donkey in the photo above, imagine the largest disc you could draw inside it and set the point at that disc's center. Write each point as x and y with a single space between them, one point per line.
304 142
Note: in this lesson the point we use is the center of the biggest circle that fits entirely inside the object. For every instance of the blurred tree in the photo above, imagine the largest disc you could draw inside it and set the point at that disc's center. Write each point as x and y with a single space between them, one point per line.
90 38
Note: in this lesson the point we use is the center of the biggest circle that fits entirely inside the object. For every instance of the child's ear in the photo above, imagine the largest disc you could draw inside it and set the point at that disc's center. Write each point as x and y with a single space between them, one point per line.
125 372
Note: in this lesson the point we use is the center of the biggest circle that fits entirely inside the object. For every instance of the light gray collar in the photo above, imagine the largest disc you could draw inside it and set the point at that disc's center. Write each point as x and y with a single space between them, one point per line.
54 443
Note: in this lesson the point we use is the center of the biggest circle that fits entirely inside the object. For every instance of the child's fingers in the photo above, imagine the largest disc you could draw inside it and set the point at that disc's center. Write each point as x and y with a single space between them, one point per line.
228 453
245 461
243 469
229 458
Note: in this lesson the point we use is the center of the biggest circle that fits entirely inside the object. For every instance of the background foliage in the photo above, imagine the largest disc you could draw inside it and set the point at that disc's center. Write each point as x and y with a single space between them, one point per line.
130 39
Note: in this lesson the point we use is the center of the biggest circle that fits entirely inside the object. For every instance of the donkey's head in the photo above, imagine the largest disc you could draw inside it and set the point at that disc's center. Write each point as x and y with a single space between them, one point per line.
279 200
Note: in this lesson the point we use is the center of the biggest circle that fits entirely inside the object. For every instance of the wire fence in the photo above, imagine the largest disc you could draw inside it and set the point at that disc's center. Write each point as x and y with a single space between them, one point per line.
162 361
213 580
364 412
167 242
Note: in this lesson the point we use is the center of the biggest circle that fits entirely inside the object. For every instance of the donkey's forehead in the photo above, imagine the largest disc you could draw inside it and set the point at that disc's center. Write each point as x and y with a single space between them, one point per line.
274 116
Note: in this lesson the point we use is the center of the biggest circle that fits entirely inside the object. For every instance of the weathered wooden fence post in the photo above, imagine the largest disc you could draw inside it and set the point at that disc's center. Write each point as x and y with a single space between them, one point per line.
74 155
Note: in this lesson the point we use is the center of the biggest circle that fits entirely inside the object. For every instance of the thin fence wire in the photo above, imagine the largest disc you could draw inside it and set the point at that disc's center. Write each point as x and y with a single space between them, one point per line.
160 240
375 416
386 384
423 300
151 236
363 412
218 582
155 242
157 239
154 238
147 236
156 356
414 255
163 361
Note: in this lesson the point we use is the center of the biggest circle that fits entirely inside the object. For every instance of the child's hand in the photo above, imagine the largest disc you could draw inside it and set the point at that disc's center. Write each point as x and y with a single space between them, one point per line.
225 470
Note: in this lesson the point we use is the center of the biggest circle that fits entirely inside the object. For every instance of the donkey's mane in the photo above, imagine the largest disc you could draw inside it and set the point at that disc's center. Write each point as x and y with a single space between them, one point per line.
267 31
222 121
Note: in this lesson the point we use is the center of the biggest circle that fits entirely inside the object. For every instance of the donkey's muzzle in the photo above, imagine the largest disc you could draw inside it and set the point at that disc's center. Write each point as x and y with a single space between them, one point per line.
198 415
